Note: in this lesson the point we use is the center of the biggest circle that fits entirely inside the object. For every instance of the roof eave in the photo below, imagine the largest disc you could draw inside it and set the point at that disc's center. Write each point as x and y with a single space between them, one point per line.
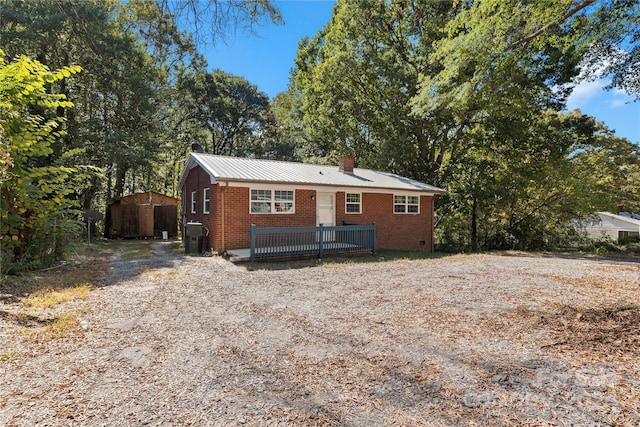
435 191
191 163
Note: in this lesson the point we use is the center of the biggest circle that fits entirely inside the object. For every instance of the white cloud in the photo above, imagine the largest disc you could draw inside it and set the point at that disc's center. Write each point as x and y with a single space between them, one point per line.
584 92
619 91
590 90
619 102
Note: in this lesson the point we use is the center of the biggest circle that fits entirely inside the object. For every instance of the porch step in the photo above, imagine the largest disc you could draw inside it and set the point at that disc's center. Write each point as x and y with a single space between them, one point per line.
239 255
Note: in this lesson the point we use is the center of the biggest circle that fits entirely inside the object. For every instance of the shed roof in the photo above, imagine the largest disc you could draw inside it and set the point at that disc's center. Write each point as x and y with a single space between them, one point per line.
225 168
146 197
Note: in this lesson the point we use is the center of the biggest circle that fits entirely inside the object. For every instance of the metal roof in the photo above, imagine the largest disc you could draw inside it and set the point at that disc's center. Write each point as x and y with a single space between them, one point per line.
224 168
621 217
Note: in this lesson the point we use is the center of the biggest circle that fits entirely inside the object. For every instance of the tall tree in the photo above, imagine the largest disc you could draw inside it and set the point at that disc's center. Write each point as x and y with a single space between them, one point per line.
127 113
289 132
489 46
610 40
235 114
356 78
513 60
464 95
37 199
113 118
610 167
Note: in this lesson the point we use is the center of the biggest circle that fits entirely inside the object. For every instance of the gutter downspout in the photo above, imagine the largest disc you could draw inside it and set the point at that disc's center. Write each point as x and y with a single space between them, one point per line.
224 212
433 231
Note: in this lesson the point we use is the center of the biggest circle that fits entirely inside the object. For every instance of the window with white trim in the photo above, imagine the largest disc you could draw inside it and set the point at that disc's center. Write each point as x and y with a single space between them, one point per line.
272 201
206 205
193 202
406 204
353 203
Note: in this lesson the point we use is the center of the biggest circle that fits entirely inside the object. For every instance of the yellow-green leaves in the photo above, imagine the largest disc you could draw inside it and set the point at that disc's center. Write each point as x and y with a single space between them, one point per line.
33 197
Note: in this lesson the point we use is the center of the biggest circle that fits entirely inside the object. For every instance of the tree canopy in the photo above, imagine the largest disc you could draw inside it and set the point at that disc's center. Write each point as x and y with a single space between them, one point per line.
38 196
465 95
470 96
123 114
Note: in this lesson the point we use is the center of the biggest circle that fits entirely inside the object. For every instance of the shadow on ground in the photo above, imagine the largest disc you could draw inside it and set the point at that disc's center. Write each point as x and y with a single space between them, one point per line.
131 258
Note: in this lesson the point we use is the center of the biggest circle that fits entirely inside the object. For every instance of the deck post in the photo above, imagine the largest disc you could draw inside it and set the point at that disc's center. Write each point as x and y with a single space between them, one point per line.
373 242
252 251
320 242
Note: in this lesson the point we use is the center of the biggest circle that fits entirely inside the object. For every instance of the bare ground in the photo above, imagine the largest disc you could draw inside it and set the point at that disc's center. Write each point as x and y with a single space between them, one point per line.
465 340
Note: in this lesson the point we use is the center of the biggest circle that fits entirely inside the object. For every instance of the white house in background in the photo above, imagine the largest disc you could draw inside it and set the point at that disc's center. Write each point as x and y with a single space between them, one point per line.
605 225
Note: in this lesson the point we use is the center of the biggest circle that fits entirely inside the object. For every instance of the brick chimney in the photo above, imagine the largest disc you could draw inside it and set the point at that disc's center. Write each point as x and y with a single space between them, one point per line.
346 164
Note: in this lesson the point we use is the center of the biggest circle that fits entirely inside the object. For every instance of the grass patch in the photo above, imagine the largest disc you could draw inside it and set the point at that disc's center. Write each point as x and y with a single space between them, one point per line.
135 249
88 265
50 298
96 249
175 246
411 255
7 356
60 326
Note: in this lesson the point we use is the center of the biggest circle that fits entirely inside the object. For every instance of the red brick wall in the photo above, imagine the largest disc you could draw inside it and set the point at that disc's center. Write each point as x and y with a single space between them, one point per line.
197 181
238 220
393 231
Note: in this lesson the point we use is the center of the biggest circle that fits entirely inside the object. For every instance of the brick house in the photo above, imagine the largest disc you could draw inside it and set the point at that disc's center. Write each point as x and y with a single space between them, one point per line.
228 194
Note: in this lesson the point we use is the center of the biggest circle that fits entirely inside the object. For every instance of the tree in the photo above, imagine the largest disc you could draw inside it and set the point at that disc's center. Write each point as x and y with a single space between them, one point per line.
610 40
128 117
289 132
356 78
610 168
517 193
37 200
127 113
235 114
505 61
215 19
490 46
464 95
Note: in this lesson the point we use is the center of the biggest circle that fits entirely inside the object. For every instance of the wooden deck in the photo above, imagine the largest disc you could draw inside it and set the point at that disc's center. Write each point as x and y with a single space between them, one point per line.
243 255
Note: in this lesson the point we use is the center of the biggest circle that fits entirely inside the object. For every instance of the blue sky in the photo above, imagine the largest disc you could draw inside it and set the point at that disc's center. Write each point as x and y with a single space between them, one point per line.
265 60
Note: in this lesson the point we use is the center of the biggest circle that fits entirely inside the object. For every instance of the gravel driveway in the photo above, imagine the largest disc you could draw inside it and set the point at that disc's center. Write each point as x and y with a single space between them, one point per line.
462 340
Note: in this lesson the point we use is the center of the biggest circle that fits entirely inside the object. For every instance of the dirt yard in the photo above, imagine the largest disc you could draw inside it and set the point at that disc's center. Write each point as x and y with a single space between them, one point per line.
491 340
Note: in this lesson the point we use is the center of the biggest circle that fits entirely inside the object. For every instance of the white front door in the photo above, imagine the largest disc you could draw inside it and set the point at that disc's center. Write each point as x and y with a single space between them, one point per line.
326 213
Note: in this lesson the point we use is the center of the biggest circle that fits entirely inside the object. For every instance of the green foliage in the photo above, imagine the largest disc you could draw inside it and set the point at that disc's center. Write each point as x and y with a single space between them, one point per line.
128 118
626 247
38 195
610 166
288 133
356 78
466 96
611 44
235 115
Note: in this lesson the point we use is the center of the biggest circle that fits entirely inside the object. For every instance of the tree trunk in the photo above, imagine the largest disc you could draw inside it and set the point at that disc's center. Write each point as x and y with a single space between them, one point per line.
474 224
121 173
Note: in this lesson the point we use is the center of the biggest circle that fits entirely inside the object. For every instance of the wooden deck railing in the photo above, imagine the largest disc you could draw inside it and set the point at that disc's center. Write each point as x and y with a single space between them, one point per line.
272 242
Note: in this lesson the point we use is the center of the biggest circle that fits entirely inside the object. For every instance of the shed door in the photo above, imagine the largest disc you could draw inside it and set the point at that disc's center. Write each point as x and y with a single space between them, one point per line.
129 220
146 221
165 218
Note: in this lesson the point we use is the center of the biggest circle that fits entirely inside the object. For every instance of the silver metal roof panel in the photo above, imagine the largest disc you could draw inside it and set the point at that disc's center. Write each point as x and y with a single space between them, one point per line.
224 168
